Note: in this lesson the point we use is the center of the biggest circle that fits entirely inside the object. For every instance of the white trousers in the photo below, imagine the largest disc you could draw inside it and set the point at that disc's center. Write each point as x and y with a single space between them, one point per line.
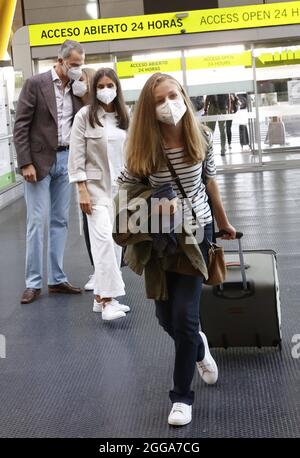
106 254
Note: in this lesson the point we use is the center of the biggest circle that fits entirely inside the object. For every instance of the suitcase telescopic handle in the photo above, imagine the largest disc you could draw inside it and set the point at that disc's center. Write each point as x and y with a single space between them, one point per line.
238 236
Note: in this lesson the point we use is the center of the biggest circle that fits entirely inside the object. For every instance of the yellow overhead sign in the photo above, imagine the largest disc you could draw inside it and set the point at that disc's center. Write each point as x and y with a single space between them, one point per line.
277 58
105 29
222 60
216 19
131 68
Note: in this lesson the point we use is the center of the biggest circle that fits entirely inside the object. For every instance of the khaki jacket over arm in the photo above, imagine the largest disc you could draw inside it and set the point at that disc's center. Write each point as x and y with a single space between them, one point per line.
139 255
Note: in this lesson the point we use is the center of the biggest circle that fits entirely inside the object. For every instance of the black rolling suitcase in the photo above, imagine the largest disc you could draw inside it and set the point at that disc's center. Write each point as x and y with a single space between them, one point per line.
245 310
244 136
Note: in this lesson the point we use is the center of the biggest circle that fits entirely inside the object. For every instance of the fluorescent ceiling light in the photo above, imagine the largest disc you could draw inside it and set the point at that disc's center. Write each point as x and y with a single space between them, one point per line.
234 49
156 56
92 9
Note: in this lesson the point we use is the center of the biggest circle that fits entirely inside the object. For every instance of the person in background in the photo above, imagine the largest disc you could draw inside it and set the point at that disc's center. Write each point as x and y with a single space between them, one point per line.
96 159
198 103
173 134
82 88
234 106
218 105
45 112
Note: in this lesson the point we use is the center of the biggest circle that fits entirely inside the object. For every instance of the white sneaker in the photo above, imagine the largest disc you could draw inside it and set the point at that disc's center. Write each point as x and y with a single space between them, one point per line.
98 307
181 414
110 312
90 284
119 306
207 368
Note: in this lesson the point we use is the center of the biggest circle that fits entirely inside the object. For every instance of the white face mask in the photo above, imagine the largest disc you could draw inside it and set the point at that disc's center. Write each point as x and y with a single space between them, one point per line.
171 111
106 95
73 73
79 88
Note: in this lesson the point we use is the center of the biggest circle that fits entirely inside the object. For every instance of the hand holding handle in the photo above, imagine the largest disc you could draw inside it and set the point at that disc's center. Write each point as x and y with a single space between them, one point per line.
222 232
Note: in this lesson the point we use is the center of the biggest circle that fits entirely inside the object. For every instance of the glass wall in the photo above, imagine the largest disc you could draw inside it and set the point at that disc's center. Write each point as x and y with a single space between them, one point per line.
278 101
10 82
220 82
135 69
259 126
91 61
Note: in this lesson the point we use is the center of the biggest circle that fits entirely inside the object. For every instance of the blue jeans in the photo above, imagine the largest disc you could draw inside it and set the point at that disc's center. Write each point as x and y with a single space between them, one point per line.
179 316
50 195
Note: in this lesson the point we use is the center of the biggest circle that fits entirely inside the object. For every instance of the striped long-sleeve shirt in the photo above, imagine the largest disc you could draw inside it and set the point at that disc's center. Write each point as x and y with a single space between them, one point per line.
190 176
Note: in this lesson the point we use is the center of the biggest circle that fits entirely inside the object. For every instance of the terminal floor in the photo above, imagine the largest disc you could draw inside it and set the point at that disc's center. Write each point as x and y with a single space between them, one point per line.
68 374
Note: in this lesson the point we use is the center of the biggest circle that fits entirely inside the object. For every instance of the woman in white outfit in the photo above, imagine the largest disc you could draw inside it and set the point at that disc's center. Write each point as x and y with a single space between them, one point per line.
95 161
82 88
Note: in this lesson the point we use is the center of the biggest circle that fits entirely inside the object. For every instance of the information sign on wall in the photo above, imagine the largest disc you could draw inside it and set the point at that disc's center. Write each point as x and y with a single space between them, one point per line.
294 92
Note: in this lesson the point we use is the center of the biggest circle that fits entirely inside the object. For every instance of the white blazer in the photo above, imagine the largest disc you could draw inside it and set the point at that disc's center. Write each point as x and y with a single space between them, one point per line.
88 159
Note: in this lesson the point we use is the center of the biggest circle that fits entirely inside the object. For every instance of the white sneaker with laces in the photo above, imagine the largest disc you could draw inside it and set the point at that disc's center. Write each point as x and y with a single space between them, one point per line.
122 307
180 415
89 286
207 368
110 312
98 307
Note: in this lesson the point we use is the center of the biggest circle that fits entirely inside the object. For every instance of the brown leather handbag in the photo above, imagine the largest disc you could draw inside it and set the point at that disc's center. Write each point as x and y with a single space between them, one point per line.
216 265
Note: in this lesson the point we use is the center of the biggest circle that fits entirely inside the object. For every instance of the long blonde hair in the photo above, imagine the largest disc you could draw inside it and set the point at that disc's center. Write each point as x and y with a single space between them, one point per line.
144 153
89 76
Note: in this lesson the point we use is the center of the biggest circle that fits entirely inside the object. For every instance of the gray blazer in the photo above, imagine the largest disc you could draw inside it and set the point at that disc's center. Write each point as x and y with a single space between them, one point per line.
35 130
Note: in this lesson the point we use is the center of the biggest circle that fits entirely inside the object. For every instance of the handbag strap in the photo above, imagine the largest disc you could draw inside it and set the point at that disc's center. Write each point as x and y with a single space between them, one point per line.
183 193
181 188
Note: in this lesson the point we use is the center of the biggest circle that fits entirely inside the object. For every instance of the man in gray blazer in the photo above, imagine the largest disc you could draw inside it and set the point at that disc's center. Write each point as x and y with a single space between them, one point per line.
45 113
